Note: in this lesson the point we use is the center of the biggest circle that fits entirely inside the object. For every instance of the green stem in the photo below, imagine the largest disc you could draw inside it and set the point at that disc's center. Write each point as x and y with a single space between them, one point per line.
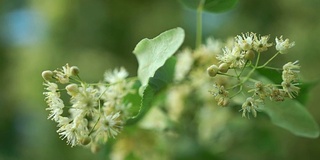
199 24
274 56
243 69
257 61
237 92
272 68
252 70
75 80
239 84
94 126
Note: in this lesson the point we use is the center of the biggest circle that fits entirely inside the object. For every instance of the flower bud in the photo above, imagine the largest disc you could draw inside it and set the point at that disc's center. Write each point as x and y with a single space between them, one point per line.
47 75
249 55
86 140
212 70
223 67
74 70
72 89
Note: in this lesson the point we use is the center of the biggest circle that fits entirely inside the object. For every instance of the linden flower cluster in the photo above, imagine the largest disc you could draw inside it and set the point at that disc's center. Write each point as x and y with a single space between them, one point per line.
95 112
239 63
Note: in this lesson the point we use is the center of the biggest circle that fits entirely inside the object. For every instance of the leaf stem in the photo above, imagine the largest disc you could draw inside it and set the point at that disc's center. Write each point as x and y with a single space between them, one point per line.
199 23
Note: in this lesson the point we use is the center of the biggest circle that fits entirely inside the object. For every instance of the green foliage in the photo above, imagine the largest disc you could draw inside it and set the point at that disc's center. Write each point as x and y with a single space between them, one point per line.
214 6
155 68
153 53
162 77
270 74
293 116
305 88
134 99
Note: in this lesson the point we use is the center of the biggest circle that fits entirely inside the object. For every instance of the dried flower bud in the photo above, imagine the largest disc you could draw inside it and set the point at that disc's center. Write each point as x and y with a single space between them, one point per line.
212 70
249 55
223 102
47 75
223 67
74 70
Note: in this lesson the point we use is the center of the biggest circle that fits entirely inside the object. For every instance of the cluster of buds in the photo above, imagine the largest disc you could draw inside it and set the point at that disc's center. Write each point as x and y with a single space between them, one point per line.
242 59
96 111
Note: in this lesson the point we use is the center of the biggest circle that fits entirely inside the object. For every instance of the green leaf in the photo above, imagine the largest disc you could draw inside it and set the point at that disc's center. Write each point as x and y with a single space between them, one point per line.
134 98
153 53
214 6
293 116
163 77
271 74
304 92
148 95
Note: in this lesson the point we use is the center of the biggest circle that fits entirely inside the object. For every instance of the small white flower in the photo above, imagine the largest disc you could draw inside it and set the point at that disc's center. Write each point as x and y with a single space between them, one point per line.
207 52
245 41
261 90
213 45
283 45
183 65
116 75
111 124
85 100
175 101
260 43
291 90
250 106
70 133
63 75
290 72
52 98
233 56
63 121
75 130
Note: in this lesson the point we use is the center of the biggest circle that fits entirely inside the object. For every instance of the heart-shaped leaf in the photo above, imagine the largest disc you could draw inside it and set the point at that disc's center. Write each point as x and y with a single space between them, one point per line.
153 53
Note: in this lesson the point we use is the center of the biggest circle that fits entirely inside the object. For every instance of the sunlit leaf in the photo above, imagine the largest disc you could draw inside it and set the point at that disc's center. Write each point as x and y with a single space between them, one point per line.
153 53
214 6
293 116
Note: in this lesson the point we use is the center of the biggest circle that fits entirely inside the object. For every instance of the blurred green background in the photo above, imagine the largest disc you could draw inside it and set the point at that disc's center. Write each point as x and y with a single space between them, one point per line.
36 35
